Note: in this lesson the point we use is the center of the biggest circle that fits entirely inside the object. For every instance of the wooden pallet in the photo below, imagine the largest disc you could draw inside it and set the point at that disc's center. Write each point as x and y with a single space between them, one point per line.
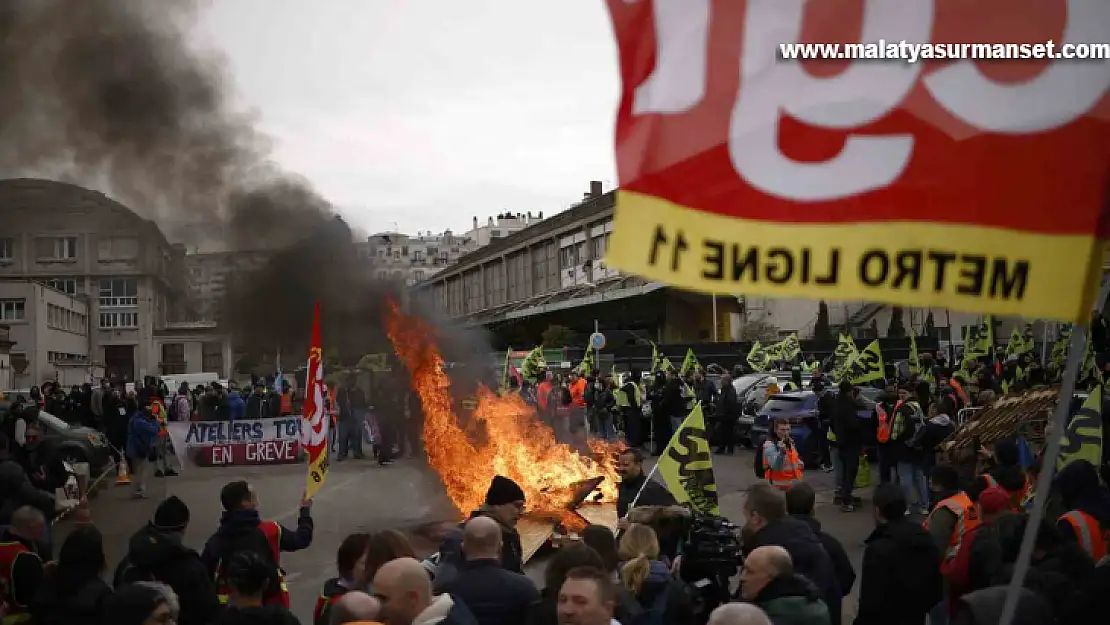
1024 414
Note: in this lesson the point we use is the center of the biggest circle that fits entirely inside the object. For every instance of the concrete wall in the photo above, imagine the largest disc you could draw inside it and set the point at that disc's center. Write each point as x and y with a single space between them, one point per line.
54 323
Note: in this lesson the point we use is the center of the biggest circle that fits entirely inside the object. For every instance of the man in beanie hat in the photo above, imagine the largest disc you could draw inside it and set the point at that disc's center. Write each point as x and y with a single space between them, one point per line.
504 504
156 553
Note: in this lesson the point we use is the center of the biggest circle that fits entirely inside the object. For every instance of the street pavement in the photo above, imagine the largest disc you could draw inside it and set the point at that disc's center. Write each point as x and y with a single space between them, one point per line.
360 496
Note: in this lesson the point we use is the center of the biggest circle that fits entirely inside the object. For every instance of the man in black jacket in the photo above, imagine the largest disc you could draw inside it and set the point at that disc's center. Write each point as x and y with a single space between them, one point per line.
16 490
630 464
800 502
494 595
901 580
767 524
727 414
156 553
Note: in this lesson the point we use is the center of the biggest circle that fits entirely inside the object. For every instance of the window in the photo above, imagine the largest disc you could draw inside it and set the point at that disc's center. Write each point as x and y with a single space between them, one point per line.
7 249
418 256
418 275
495 234
212 357
65 285
382 275
117 248
56 248
173 353
12 309
118 293
114 320
396 254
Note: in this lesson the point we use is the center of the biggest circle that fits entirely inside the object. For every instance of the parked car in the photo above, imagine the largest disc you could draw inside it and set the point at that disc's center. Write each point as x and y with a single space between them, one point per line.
71 443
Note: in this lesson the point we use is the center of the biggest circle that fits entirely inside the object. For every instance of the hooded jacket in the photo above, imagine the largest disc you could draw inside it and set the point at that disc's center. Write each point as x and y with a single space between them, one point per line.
444 610
257 615
842 564
792 600
809 557
158 555
901 578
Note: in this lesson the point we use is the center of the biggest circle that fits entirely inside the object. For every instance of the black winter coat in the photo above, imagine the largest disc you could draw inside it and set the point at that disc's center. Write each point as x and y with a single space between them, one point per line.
842 564
809 556
451 556
494 595
900 580
63 606
160 556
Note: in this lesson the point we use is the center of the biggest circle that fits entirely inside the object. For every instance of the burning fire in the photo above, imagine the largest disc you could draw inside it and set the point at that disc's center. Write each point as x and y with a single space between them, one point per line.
516 444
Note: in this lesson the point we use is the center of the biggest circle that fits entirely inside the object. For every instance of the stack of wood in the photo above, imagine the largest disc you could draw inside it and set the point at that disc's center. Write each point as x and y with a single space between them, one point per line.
1025 414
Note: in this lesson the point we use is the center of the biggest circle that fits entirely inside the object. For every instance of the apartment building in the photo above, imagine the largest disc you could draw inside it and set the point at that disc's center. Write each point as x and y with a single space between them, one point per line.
211 275
50 334
501 226
89 246
412 258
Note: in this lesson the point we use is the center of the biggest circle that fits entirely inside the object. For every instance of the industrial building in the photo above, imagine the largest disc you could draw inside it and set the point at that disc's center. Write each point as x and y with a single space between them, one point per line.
83 244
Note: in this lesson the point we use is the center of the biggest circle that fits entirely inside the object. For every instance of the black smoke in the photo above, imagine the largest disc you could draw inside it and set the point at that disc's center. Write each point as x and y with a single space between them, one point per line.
110 95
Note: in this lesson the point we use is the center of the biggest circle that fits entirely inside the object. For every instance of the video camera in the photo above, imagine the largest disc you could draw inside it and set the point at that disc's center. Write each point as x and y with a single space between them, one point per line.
711 556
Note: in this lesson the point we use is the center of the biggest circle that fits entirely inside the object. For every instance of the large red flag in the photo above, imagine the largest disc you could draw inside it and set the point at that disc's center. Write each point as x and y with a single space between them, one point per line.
314 425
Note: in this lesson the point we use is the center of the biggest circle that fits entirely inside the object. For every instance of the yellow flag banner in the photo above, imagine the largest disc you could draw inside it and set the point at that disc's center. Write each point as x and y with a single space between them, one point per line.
868 365
686 465
914 362
843 356
1082 439
758 358
689 363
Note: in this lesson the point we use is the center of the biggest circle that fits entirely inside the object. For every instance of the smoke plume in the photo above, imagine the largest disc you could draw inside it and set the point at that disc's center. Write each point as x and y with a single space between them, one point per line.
109 95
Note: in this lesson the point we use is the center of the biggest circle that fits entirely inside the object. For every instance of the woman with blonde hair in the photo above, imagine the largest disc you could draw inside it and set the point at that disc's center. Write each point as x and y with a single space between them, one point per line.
649 579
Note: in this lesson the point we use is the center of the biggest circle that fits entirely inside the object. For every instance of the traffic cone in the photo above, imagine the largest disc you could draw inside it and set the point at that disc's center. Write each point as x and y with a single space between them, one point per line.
123 477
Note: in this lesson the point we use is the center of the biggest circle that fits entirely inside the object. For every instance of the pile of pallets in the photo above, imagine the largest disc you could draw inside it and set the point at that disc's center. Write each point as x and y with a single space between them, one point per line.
1024 414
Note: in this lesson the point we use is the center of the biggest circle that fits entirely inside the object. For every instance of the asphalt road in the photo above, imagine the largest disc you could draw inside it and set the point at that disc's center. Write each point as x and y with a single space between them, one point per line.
361 496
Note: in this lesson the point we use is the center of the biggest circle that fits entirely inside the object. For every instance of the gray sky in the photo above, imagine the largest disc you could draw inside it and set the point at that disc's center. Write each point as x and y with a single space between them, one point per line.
424 113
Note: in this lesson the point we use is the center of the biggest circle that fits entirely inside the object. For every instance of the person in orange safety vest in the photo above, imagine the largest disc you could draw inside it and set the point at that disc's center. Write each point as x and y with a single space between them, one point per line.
1007 473
1087 521
242 529
21 567
782 466
953 516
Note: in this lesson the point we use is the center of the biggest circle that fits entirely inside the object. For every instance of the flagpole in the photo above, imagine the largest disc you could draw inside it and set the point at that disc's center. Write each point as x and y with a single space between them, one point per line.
1077 345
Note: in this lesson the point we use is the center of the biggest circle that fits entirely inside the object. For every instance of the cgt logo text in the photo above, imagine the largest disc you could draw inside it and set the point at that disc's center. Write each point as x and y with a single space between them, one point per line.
911 270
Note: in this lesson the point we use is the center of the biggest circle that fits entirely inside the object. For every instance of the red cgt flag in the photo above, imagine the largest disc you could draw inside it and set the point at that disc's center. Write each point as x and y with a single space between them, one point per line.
314 422
898 154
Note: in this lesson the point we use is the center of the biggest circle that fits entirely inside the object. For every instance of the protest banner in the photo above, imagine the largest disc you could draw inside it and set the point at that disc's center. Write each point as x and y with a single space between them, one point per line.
913 175
237 443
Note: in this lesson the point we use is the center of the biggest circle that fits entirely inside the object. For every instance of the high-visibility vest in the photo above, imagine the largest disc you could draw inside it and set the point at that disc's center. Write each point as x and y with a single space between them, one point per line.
287 403
578 393
1092 537
272 531
329 595
9 551
1017 498
967 519
960 392
882 432
543 394
789 474
158 409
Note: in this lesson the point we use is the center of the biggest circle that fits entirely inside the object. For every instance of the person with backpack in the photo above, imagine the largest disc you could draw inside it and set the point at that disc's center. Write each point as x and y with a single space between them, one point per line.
662 598
885 409
156 553
181 407
242 529
906 432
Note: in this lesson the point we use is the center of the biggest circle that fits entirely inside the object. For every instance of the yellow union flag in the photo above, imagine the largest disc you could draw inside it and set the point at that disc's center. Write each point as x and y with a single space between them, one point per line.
686 466
1083 437
868 365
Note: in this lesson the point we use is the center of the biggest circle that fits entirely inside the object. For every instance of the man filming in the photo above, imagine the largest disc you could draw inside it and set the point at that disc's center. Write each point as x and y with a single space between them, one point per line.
781 464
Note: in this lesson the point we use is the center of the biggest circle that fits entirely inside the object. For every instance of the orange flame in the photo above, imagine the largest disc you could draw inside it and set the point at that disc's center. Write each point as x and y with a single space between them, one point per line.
516 444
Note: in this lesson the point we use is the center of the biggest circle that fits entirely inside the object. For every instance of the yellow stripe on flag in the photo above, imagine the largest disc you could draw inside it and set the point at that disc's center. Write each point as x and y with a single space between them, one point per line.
967 267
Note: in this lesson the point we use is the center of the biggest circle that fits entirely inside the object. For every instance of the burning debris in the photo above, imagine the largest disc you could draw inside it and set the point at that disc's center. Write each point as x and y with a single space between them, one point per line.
515 444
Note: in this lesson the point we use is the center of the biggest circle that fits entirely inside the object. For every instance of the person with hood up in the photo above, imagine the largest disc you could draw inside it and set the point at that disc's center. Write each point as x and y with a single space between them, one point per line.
901 581
649 580
800 502
156 553
1087 521
405 592
242 529
768 581
767 524
1008 474
72 592
504 504
350 563
248 575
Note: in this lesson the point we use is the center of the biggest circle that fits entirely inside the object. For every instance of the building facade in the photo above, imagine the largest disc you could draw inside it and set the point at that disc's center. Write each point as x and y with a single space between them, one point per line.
85 244
50 334
410 259
211 275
